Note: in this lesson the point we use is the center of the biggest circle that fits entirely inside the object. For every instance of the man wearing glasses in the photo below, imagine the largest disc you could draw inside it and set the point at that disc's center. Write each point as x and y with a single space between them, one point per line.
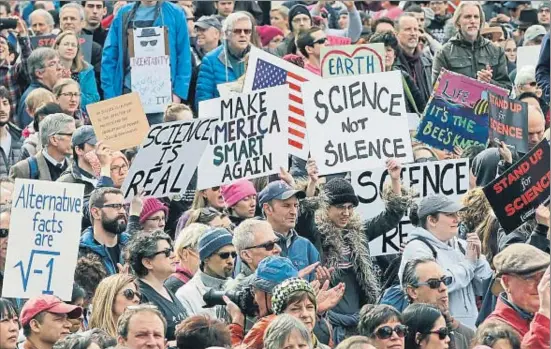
56 131
424 281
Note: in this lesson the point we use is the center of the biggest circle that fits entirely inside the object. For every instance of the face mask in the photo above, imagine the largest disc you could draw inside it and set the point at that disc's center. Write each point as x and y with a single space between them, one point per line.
92 158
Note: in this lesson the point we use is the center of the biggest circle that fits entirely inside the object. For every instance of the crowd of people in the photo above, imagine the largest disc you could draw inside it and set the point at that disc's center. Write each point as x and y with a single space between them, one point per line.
274 263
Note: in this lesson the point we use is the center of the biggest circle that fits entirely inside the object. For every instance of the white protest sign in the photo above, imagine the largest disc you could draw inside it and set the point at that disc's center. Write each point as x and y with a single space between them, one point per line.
528 55
449 177
359 122
352 60
250 139
150 78
45 225
149 42
168 158
413 121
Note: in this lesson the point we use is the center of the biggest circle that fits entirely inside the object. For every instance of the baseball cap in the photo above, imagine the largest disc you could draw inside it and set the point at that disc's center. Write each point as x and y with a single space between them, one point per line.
272 271
544 4
205 22
514 4
533 32
48 303
437 203
84 135
279 190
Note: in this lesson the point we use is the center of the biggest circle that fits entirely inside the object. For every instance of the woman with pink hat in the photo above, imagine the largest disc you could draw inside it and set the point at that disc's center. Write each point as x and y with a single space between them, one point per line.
153 215
240 198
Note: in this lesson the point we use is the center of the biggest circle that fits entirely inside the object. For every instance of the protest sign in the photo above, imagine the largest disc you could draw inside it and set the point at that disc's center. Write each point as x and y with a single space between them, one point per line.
359 121
461 89
413 121
43 244
119 122
42 40
334 40
352 60
86 42
448 177
508 121
446 125
150 78
527 55
515 195
266 70
250 138
168 158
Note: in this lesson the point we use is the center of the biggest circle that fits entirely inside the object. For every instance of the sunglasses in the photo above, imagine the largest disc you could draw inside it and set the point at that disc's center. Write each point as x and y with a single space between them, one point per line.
4 233
130 294
319 41
268 246
167 252
442 333
435 283
242 31
226 255
151 42
385 332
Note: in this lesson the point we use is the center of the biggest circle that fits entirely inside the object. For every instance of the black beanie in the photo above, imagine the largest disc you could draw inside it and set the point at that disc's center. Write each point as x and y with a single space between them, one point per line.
340 191
298 10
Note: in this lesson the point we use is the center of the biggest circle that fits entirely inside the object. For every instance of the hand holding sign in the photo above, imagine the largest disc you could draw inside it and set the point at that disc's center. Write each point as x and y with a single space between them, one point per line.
505 152
542 215
312 170
544 291
485 75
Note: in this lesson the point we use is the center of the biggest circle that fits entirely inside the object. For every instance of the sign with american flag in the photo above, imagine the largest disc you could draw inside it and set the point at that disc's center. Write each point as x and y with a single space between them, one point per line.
266 70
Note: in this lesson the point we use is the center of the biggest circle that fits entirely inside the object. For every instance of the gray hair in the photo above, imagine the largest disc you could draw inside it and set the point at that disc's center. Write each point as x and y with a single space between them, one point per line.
525 75
459 11
281 328
189 236
232 19
409 275
144 246
37 59
124 320
44 14
403 15
74 5
53 124
243 235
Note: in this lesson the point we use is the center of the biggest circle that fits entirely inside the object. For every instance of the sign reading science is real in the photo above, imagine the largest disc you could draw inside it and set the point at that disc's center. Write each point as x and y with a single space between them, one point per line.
359 122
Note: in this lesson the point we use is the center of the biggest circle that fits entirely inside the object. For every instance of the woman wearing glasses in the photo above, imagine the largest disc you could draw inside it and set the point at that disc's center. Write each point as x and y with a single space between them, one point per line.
153 215
67 92
383 325
152 259
75 67
113 295
426 327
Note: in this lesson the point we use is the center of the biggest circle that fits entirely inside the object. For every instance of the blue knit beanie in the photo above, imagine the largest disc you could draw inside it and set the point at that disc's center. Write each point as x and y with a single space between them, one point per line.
212 241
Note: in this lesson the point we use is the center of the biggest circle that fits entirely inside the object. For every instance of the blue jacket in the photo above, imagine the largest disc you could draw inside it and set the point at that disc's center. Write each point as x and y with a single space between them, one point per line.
214 70
112 62
542 69
89 245
88 87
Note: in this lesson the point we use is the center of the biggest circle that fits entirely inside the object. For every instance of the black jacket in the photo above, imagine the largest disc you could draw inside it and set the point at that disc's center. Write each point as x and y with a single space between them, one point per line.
423 82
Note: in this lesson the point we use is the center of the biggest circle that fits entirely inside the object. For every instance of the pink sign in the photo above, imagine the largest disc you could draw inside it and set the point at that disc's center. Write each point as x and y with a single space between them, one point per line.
338 40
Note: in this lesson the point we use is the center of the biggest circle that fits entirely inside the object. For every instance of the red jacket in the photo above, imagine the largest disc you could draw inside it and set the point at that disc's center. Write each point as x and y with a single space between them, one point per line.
255 337
534 334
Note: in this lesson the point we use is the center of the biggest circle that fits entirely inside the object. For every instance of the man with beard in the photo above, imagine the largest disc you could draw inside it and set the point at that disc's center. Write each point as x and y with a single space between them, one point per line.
106 237
10 135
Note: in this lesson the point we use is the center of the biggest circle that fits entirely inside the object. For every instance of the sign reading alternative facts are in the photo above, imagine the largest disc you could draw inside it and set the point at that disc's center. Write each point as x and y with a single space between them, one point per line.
352 60
43 243
168 157
250 138
509 121
357 122
515 195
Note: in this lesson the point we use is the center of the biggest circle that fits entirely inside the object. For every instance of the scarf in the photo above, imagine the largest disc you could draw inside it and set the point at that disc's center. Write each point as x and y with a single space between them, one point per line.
236 59
414 68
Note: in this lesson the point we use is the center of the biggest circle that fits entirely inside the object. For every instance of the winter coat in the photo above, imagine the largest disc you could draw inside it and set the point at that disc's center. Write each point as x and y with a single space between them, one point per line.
22 169
468 278
8 160
423 83
89 245
461 56
542 69
73 174
215 69
88 87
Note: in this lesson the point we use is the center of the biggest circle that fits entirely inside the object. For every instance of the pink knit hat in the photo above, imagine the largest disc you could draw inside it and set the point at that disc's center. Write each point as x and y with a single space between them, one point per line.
267 33
150 207
236 191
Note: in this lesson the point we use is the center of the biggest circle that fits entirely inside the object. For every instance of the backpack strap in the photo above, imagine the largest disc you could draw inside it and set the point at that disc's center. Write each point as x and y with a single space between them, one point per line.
426 242
33 168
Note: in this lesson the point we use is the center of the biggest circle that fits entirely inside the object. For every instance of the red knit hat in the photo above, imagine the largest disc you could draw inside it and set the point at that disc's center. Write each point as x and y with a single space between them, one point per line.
267 33
237 191
150 207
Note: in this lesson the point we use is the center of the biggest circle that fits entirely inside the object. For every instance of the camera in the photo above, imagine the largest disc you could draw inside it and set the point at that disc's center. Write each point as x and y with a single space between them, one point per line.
243 298
8 23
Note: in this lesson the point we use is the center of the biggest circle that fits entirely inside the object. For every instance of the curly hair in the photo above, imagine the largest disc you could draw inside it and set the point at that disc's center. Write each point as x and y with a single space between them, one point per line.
201 331
476 209
144 246
89 272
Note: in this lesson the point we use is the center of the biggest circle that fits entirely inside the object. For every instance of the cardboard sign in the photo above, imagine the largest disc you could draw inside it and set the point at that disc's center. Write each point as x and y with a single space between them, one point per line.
528 55
509 121
446 125
150 78
515 195
352 60
250 139
449 177
119 122
359 122
42 41
461 89
44 239
168 158
266 70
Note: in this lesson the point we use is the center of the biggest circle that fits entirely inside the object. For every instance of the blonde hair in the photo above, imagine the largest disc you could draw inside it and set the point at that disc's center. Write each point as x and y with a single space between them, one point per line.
79 64
199 201
174 111
61 84
104 301
37 98
282 10
189 237
459 11
476 209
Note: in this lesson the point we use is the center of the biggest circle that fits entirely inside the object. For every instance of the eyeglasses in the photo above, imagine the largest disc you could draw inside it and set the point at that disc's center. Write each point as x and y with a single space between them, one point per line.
268 246
345 207
115 206
119 169
544 10
226 255
435 283
385 332
150 42
432 158
532 84
167 252
319 41
4 233
70 94
442 332
242 31
130 294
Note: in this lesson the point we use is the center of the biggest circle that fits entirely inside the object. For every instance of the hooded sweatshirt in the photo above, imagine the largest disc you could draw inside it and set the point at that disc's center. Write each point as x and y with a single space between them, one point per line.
468 277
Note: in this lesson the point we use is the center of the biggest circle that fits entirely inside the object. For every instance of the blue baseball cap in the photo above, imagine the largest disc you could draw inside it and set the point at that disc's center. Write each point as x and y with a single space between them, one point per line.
272 271
279 190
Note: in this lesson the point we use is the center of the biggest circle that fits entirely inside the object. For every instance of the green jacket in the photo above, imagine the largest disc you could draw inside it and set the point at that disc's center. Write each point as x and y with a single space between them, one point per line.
461 56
